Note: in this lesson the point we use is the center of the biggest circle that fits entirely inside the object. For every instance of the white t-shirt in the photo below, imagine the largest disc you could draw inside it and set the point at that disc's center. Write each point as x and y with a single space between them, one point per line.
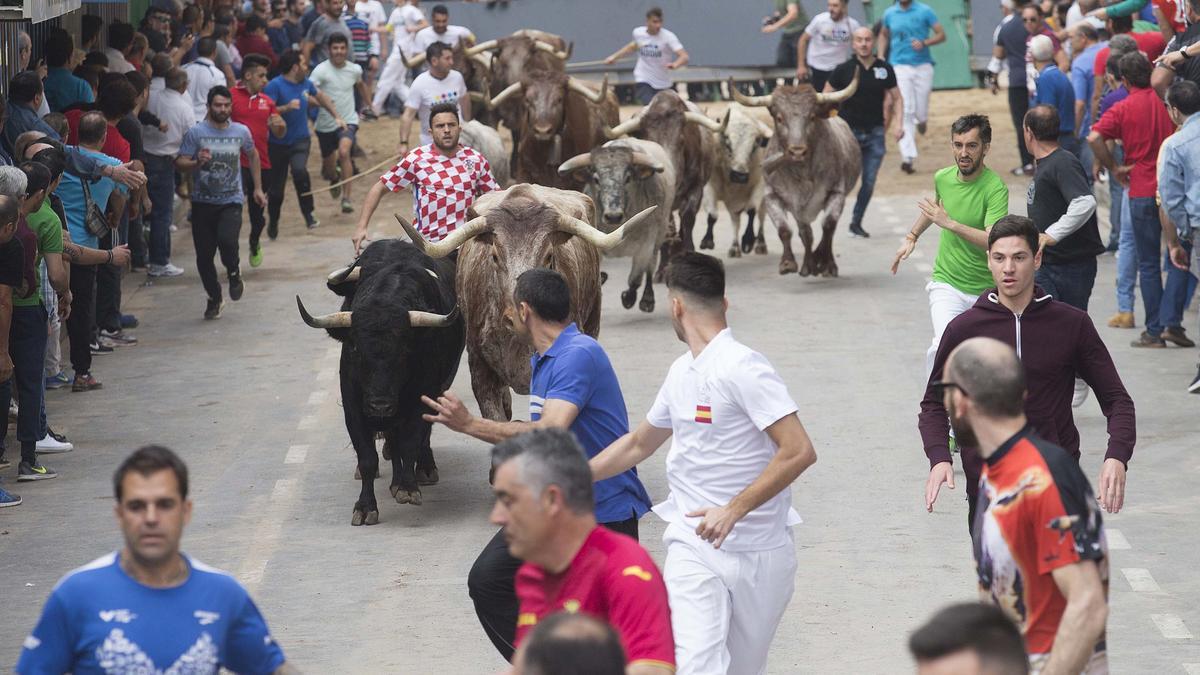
829 41
427 91
655 52
371 11
426 36
717 406
338 84
404 17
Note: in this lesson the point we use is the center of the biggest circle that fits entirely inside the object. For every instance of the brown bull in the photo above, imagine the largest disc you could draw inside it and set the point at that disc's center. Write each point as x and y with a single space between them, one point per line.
812 162
511 231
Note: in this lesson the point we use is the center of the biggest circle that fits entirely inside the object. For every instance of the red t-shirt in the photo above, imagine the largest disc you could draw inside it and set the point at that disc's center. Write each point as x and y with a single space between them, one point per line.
1175 11
256 44
1141 123
115 144
613 579
253 112
1150 44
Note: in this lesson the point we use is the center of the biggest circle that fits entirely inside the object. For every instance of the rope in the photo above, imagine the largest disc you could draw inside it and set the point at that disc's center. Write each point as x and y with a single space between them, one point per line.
356 176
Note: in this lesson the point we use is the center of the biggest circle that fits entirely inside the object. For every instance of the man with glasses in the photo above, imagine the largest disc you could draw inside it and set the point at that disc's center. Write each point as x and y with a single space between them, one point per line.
1056 343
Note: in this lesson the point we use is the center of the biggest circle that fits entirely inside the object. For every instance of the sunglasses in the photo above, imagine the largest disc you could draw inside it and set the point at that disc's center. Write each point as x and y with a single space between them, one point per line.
940 386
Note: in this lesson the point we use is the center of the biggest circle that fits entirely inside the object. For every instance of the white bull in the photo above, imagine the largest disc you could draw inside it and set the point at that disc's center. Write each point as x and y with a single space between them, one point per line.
737 179
486 141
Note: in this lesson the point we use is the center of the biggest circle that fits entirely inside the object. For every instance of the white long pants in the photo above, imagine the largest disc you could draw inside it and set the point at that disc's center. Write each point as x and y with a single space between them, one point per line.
915 83
725 606
394 78
945 303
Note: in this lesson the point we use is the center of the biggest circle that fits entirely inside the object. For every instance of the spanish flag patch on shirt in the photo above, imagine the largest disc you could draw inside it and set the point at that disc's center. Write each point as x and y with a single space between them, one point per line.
704 414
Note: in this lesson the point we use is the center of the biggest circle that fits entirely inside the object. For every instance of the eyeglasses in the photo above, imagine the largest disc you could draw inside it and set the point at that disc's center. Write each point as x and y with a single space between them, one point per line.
940 386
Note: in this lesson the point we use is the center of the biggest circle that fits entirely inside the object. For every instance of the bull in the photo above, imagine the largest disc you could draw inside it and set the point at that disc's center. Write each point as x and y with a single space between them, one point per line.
812 162
625 176
510 231
737 180
487 142
402 337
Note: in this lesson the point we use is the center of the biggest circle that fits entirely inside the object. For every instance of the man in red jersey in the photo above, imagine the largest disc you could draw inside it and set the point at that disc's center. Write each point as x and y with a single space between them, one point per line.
257 111
543 488
1038 538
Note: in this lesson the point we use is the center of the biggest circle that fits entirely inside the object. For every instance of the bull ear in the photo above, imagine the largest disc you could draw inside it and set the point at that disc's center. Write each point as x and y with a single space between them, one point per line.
643 171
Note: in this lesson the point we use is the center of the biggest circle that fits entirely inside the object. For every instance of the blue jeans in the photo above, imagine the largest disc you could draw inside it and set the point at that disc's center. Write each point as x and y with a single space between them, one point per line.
873 145
1069 282
1176 291
643 92
1126 257
27 348
1116 194
160 175
1147 237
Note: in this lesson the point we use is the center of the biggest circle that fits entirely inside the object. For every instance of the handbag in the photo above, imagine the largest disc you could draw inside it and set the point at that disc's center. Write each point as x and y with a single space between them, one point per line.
94 220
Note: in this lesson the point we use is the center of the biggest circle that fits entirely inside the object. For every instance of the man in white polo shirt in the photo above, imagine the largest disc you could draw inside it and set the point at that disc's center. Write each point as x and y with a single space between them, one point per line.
738 446
658 51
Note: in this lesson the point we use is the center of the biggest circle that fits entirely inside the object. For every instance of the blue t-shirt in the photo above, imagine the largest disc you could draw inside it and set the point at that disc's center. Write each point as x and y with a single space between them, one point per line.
575 369
70 191
219 181
904 26
1083 81
1053 88
99 620
62 89
283 91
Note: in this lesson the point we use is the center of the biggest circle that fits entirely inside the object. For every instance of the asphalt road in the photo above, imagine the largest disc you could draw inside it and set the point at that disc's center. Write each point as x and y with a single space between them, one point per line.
251 402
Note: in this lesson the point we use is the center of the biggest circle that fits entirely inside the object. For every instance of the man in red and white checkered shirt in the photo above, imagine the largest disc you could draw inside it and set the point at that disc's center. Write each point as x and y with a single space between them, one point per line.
446 178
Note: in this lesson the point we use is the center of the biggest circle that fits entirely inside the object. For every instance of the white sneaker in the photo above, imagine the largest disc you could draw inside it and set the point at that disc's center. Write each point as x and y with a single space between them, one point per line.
1081 393
167 270
49 446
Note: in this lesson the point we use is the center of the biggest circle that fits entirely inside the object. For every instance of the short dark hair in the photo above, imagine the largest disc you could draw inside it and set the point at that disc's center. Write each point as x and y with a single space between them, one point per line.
1042 122
89 27
218 90
440 9
1113 67
1135 69
983 629
697 275
117 97
60 46
120 35
58 122
288 60
435 50
138 80
441 109
1034 6
149 460
1121 24
206 46
24 87
548 457
573 643
337 38
92 127
1014 226
655 13
544 290
96 59
251 61
254 22
36 175
973 121
54 159
89 74
1184 96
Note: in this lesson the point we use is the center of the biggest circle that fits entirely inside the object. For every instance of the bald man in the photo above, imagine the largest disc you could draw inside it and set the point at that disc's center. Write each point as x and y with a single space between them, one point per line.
1039 543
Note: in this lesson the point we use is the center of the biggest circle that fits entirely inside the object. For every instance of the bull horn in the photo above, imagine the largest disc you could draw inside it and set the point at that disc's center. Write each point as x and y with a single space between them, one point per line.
478 97
603 242
576 85
841 94
624 128
642 159
703 120
749 101
481 62
414 62
576 162
509 91
430 320
344 274
561 55
485 46
334 320
443 248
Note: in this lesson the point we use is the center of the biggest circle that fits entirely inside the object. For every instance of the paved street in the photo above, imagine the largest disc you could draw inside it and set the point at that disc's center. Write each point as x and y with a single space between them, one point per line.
251 402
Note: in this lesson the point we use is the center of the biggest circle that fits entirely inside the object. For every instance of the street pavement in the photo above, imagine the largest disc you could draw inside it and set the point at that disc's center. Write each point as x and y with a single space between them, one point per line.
251 402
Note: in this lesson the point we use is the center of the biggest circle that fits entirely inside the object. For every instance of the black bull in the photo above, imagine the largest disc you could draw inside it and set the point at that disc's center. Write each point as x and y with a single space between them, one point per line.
402 337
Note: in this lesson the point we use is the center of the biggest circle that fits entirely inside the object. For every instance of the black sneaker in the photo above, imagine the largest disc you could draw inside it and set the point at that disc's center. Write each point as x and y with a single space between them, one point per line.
99 348
907 167
213 309
856 230
273 230
1194 387
37 471
236 286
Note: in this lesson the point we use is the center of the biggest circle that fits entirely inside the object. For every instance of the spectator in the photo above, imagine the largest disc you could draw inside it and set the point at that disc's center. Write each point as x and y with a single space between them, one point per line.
1011 50
360 54
24 54
1150 42
137 54
659 51
12 281
58 122
293 93
825 44
89 34
258 113
405 22
291 24
441 30
316 41
1179 187
1054 88
576 643
254 41
908 30
156 24
120 44
202 75
791 19
1177 60
173 106
1085 46
24 97
440 84
969 638
98 59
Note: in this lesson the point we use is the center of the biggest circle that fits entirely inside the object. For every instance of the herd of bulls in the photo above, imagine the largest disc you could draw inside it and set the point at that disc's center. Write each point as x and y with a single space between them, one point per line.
409 309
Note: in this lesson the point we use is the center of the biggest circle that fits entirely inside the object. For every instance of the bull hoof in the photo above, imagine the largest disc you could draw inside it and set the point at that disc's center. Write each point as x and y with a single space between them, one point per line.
760 247
660 275
361 517
735 252
603 277
706 243
809 267
628 297
748 244
787 266
403 496
427 476
646 305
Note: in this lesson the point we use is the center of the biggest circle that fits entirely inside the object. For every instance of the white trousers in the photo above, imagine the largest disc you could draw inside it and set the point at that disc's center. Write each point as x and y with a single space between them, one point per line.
915 83
945 303
725 606
394 78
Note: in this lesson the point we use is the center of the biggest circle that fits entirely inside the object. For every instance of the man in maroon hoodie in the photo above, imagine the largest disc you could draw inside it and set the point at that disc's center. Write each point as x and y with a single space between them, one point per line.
1056 343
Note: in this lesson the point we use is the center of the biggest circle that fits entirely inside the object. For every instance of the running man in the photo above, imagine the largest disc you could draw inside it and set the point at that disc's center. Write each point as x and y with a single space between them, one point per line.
173 609
404 23
659 51
908 30
338 77
440 84
441 30
257 111
446 178
738 446
970 197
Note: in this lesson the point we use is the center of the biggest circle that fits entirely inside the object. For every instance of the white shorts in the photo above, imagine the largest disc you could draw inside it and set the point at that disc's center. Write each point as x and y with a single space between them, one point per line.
945 303
725 606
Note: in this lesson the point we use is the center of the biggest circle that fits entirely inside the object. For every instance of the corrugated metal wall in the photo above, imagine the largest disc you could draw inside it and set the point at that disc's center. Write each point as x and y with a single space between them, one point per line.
37 32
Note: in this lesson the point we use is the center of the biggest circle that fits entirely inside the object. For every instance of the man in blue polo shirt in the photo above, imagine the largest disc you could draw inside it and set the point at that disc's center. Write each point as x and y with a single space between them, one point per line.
572 387
1054 88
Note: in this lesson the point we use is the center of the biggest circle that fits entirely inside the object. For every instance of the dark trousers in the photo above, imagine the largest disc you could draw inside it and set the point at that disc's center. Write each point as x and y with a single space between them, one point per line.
292 157
1176 290
785 53
257 222
216 227
83 308
1018 105
27 349
108 287
818 78
1147 236
873 145
1069 282
160 175
644 93
494 594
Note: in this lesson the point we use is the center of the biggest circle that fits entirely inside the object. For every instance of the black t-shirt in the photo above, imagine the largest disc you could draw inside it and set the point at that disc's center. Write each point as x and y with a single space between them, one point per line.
131 130
12 264
1190 68
1059 178
864 110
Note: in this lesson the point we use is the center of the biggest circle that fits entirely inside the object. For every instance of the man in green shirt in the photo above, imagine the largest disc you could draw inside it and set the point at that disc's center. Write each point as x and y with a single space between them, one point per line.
789 20
970 198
